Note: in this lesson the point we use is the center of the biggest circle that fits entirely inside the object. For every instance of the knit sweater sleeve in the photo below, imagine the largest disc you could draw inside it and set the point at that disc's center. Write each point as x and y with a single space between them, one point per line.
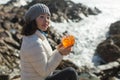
39 61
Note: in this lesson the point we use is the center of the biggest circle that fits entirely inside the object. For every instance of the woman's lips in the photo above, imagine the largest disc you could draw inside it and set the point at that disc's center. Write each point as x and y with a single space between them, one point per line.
45 25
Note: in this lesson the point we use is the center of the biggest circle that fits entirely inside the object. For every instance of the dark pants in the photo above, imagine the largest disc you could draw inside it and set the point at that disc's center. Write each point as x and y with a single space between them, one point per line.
65 74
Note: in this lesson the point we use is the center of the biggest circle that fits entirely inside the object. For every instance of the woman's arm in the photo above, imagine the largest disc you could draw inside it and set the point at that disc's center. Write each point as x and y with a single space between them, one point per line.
38 59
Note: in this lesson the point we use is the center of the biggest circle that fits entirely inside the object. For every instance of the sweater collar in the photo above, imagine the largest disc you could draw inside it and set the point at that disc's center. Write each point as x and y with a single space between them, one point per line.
40 34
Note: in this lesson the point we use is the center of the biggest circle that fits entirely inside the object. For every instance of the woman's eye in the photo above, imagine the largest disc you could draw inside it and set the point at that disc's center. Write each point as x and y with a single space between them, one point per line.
48 17
41 16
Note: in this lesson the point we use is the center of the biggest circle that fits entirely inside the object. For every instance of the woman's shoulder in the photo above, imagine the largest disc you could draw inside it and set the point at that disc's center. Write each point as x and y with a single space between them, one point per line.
31 40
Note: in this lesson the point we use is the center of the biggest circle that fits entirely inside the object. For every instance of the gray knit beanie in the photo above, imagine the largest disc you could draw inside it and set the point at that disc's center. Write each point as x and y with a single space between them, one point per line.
35 10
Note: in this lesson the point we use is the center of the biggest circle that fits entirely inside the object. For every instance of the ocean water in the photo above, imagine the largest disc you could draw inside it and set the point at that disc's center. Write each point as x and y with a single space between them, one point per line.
90 31
3 1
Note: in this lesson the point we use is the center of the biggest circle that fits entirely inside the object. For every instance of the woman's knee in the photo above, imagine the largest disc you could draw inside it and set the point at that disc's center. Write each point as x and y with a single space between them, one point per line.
71 71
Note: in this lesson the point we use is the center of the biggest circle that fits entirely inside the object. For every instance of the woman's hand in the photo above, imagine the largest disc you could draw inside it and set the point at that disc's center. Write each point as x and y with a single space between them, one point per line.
64 50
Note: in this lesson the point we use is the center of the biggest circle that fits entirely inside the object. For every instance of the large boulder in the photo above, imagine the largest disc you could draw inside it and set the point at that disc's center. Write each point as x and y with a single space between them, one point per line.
109 49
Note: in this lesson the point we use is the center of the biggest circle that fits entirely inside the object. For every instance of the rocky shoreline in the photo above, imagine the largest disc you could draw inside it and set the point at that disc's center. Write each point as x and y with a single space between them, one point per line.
11 21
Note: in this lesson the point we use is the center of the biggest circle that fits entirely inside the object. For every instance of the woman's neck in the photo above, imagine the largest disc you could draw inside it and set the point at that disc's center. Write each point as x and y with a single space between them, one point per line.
42 32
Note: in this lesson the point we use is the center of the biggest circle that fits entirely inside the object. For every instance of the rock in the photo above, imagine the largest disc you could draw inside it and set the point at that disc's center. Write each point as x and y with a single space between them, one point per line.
4 33
88 76
17 77
67 63
108 51
7 25
115 39
114 28
12 43
4 77
93 11
108 71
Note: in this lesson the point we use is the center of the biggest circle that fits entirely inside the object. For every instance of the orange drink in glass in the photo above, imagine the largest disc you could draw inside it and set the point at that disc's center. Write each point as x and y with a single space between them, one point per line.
68 40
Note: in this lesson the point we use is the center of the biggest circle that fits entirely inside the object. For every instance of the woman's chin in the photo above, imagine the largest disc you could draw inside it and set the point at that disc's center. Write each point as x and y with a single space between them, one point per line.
45 29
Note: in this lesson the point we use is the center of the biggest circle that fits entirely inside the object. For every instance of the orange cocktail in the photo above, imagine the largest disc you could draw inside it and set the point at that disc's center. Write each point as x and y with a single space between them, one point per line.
68 40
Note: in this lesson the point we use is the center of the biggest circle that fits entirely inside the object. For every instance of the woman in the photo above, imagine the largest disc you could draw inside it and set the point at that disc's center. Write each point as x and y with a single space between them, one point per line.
38 61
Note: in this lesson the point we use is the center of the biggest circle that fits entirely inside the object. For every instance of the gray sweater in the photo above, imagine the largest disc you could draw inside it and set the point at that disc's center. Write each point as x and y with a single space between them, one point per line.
37 58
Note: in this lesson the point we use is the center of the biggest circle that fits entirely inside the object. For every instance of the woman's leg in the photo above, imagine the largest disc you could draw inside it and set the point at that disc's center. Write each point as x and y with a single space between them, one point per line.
65 74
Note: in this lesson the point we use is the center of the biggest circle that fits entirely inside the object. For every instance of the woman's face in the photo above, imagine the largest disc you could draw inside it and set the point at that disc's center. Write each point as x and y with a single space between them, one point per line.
43 21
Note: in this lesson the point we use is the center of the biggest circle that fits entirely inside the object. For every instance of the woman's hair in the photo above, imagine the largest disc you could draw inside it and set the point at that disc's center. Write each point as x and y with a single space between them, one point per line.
29 28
